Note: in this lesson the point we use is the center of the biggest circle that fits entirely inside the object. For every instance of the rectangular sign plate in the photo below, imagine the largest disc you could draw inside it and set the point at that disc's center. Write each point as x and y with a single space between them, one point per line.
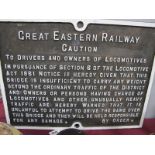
88 75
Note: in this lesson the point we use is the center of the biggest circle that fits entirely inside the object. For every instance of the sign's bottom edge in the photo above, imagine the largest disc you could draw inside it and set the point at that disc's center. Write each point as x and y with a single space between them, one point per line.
82 128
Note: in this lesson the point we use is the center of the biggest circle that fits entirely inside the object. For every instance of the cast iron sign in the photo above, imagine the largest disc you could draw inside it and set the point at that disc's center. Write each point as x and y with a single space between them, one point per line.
88 75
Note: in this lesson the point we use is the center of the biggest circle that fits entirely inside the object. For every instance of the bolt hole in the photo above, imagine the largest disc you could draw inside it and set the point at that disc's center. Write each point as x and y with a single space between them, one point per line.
77 125
80 24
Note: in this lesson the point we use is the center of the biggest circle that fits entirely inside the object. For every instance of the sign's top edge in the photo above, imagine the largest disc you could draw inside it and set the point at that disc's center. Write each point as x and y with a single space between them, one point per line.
128 22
